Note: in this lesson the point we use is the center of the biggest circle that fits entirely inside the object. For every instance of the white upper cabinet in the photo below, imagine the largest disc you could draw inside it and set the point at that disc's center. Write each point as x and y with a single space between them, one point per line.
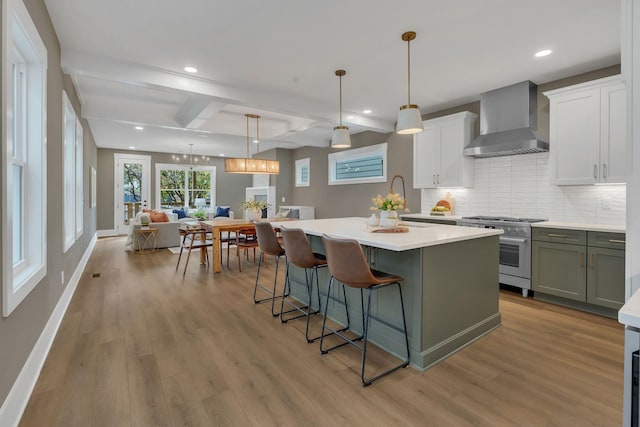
437 152
587 132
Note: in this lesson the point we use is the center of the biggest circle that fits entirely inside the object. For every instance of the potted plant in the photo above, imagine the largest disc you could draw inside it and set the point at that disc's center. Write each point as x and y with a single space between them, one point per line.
253 208
199 214
388 206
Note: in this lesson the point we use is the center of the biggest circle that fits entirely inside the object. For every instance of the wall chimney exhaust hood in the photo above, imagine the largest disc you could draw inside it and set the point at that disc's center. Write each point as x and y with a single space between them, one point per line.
508 123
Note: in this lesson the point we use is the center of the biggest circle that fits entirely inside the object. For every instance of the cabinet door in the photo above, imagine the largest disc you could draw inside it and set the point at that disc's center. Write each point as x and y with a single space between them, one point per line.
613 134
559 269
425 157
575 137
451 157
605 277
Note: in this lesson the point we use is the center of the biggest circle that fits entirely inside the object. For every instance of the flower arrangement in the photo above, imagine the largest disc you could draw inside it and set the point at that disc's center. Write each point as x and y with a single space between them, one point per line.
254 204
390 202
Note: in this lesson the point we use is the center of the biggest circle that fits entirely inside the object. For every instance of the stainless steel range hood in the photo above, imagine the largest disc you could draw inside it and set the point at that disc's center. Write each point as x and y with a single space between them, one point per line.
508 123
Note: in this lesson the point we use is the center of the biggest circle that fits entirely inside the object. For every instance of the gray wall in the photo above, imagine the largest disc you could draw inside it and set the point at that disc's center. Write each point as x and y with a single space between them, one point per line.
354 200
284 180
19 332
230 187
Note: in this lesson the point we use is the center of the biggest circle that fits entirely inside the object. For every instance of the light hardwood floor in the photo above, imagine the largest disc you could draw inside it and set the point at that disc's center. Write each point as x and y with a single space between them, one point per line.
142 346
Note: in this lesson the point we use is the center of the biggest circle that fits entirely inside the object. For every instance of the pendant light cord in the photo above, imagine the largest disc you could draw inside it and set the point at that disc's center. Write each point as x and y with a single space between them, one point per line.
340 100
408 72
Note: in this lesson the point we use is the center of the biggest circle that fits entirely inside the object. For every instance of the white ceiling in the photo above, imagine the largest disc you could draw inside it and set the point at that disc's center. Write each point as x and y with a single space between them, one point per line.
277 58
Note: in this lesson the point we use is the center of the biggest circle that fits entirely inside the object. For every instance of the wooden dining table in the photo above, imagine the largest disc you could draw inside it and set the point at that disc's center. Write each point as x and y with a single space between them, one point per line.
218 226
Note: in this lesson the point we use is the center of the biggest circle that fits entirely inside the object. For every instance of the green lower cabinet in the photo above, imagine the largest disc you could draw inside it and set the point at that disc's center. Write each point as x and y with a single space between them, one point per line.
605 277
590 272
559 269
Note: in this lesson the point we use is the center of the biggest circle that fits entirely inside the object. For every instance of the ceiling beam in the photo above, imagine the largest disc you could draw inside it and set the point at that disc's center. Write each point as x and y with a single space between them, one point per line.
197 111
75 63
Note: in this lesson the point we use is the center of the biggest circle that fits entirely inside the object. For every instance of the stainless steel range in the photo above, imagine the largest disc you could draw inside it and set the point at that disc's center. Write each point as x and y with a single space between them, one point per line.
515 247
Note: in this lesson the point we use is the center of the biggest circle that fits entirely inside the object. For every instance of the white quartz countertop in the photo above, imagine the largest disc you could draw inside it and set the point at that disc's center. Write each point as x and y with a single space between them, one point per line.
580 226
436 217
629 314
420 235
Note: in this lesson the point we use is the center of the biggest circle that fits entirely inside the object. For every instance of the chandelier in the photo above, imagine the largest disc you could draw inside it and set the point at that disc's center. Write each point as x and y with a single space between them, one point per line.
249 164
193 160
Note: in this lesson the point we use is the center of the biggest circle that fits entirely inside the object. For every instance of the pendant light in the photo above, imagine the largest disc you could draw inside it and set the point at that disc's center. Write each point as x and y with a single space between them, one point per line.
409 118
340 138
249 164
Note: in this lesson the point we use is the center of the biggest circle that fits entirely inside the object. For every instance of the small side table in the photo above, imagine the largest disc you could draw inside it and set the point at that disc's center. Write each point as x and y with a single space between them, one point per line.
145 240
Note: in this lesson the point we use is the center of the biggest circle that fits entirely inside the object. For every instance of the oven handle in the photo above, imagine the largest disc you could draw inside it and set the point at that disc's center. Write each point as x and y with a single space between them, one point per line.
513 239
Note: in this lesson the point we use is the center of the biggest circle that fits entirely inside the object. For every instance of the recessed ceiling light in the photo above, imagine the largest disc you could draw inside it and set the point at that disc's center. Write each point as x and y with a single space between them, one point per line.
139 128
351 117
366 111
255 141
191 69
221 154
542 53
131 147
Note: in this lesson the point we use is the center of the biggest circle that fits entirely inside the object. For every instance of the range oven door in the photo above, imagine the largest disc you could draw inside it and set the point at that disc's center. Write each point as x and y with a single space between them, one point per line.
515 256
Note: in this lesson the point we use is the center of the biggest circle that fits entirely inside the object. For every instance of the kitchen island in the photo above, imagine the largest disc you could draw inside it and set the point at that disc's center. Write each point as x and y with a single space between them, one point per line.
450 288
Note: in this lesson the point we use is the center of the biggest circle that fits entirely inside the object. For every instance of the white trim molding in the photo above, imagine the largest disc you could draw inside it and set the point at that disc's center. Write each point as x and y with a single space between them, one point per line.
18 397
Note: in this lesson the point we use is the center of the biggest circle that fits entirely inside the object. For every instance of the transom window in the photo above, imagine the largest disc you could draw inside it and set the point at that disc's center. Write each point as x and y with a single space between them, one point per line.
358 166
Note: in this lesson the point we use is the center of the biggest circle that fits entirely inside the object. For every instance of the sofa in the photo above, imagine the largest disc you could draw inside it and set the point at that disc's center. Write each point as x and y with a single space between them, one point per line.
168 235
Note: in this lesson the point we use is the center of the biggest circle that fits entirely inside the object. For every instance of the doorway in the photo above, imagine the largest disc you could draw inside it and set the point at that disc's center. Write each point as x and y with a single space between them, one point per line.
132 188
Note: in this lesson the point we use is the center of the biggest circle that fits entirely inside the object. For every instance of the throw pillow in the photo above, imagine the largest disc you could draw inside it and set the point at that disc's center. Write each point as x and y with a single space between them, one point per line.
282 213
158 216
180 212
220 211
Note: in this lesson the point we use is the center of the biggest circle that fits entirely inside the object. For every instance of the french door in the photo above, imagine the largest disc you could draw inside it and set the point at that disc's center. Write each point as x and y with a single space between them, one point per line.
132 188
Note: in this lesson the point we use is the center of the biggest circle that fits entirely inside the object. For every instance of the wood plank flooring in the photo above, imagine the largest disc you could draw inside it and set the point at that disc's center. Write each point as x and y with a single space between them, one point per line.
141 345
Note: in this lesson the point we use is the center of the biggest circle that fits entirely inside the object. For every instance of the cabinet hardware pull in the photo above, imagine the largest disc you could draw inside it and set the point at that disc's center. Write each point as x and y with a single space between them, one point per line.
438 179
591 261
595 171
604 170
562 236
581 259
617 241
434 178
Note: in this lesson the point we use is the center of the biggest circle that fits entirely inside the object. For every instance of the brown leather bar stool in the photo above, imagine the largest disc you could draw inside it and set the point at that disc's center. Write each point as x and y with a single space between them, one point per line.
269 245
348 266
299 253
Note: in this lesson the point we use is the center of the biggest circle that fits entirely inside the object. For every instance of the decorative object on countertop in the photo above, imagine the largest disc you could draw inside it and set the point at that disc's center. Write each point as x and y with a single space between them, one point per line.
389 221
373 220
444 206
390 202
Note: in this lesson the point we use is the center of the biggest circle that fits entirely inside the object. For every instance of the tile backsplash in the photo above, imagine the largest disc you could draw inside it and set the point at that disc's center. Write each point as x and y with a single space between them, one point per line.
522 186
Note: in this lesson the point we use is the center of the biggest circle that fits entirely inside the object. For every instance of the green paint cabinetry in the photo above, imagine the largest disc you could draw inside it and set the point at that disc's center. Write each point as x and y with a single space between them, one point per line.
583 269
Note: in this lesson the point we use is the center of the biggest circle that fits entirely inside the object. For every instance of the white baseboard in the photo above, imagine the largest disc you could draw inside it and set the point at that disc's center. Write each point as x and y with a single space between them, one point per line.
107 233
17 399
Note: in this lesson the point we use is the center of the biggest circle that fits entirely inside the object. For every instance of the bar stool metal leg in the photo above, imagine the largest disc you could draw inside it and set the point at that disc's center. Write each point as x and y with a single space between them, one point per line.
346 340
305 311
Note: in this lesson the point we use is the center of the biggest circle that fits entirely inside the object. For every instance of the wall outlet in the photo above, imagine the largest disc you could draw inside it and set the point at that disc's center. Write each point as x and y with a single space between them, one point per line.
282 199
62 277
606 202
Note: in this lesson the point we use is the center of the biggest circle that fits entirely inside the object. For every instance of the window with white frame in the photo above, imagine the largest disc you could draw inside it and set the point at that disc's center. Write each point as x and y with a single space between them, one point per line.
24 84
359 166
183 185
302 172
73 179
